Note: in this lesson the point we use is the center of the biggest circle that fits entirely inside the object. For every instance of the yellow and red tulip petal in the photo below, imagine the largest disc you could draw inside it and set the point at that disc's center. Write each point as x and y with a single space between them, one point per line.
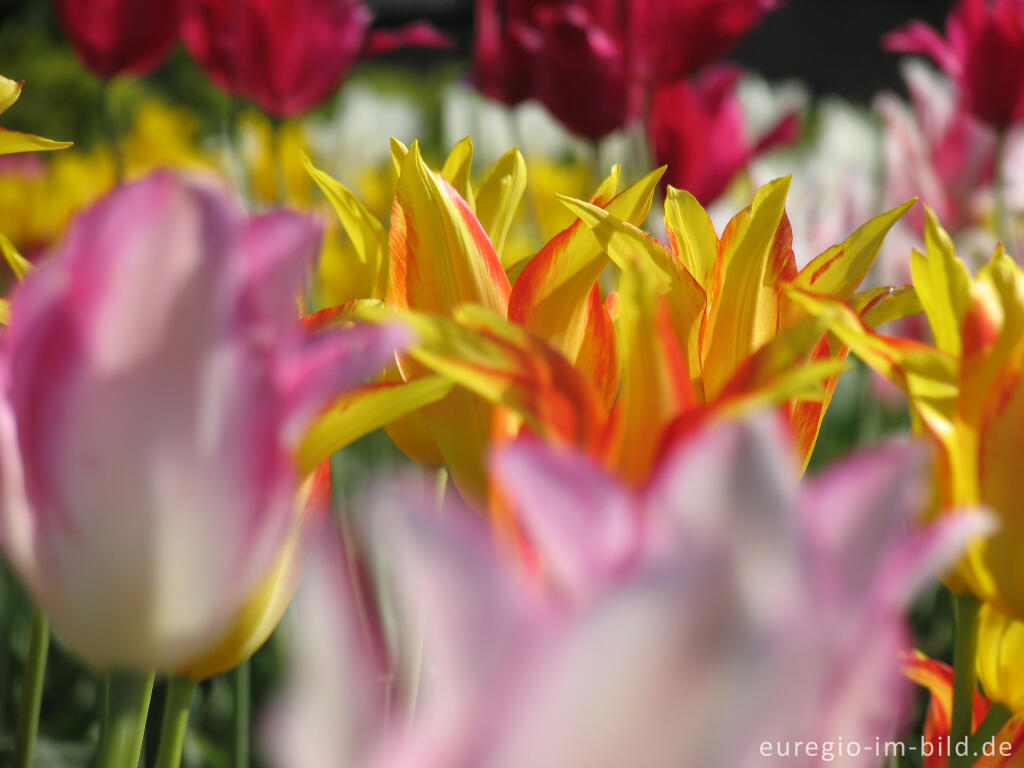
551 294
598 358
839 271
633 249
504 364
498 199
656 378
439 254
744 309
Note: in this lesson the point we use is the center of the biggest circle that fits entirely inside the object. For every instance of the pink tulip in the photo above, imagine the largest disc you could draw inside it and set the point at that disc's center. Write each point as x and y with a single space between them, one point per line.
154 383
937 150
288 55
684 625
698 130
983 51
116 36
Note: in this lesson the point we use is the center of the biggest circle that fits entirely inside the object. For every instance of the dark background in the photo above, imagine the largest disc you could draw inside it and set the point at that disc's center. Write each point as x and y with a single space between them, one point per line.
830 44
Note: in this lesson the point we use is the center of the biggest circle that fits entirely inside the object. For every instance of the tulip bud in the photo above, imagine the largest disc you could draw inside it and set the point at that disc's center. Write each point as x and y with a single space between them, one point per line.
154 383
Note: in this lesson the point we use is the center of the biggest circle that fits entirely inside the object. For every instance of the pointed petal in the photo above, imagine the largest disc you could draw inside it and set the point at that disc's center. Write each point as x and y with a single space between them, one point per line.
365 232
497 200
361 412
440 256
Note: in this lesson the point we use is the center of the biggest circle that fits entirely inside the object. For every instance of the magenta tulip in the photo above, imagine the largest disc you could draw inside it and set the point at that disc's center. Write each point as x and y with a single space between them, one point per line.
698 130
288 55
983 51
115 36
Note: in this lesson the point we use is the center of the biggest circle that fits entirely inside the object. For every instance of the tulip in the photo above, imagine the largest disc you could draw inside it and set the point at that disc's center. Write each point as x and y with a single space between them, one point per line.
936 149
967 397
15 141
155 385
937 679
112 37
703 325
664 620
983 52
698 131
287 55
591 64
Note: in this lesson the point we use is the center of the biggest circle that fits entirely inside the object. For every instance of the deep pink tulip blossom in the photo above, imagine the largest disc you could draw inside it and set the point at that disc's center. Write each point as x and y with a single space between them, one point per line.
983 51
592 64
154 383
288 55
684 625
116 36
698 130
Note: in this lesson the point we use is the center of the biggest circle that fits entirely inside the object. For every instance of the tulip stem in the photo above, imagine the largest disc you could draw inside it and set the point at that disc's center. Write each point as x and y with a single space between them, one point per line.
1002 222
964 674
998 716
113 133
128 695
32 690
172 732
240 751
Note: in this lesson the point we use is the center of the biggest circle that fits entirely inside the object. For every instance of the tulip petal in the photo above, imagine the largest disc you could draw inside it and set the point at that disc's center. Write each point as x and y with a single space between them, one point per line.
840 270
440 256
336 361
458 169
368 237
363 411
550 296
740 318
691 234
502 363
497 200
10 90
19 265
16 141
586 526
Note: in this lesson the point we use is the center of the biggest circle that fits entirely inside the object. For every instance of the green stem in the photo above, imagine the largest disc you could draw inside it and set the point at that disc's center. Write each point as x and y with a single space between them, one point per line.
113 132
32 690
172 732
964 674
998 716
240 752
128 696
1002 221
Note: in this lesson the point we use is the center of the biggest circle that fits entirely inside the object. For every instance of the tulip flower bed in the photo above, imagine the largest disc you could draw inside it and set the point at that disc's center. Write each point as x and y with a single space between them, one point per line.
587 401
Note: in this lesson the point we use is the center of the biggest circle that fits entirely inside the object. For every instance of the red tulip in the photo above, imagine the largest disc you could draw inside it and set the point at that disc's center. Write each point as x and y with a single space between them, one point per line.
591 62
287 55
983 51
697 129
115 36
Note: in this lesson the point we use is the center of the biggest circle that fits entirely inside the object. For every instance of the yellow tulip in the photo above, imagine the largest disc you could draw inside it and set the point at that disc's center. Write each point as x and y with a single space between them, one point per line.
966 395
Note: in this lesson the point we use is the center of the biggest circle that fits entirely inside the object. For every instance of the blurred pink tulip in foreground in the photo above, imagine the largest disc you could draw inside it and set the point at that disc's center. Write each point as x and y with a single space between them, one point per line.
681 626
154 383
